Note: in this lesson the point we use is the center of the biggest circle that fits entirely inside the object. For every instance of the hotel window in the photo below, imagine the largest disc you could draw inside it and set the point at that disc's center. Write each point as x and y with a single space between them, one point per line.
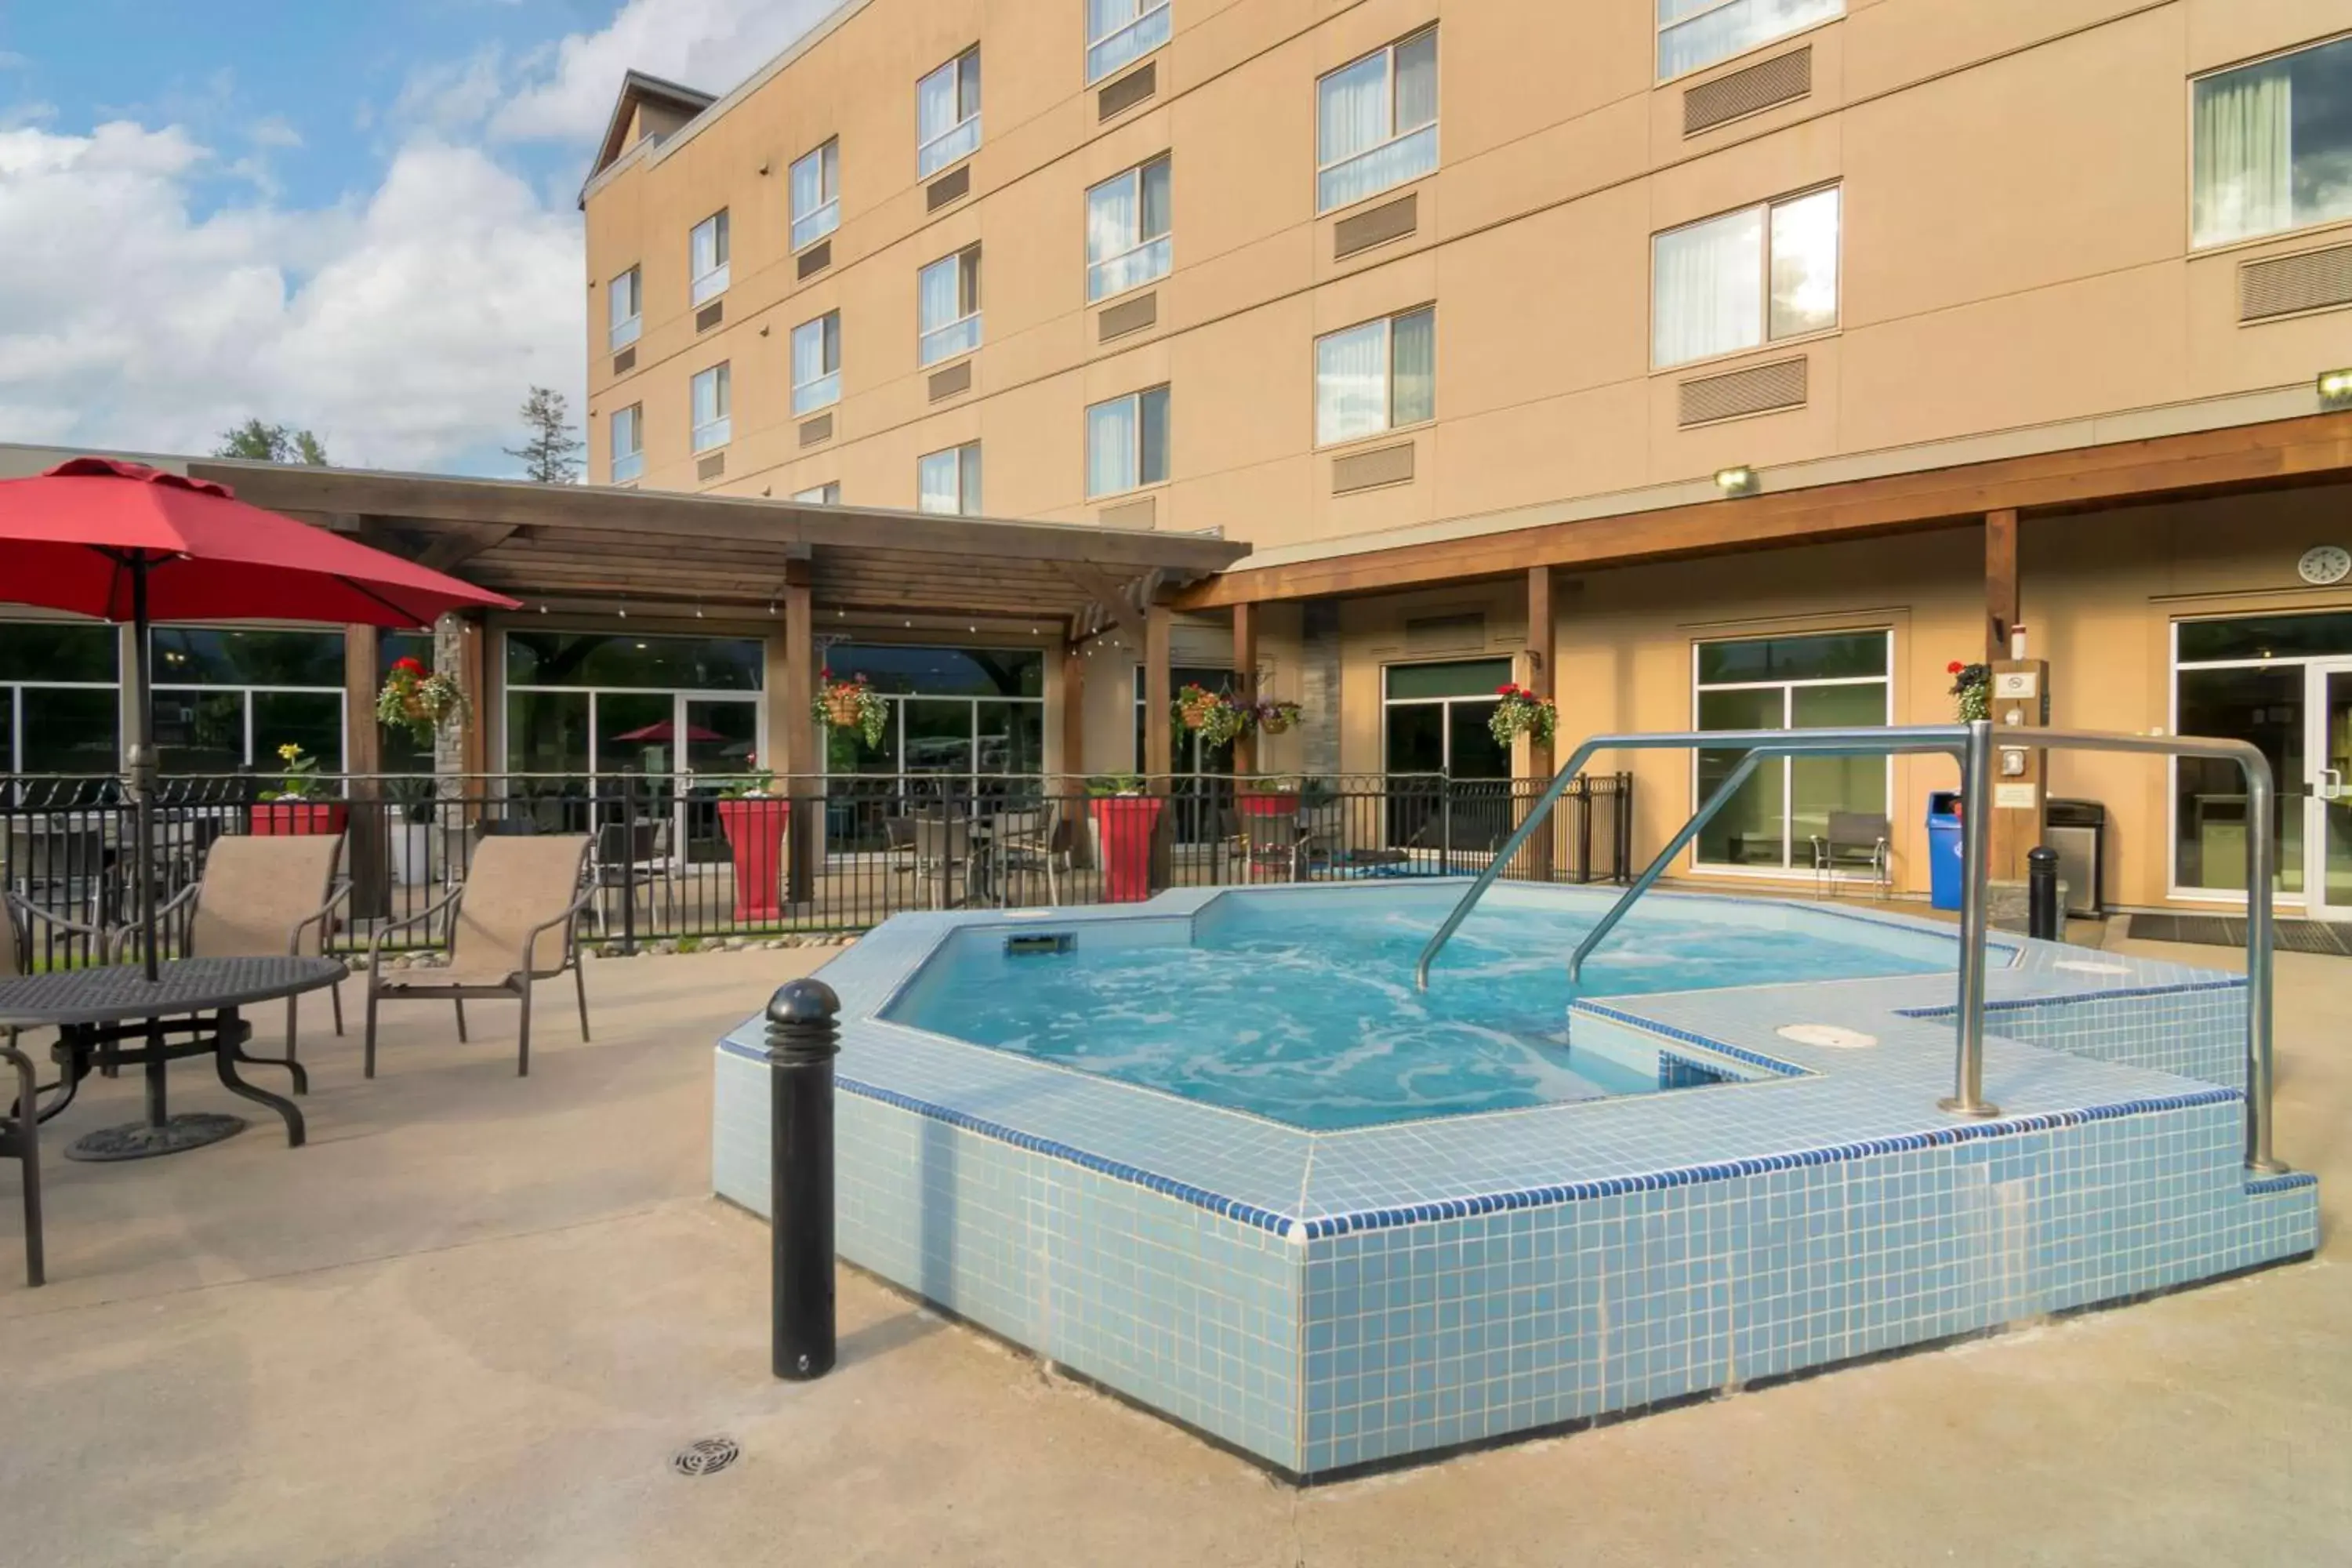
707 256
1127 443
1695 34
1790 683
816 364
1746 278
1376 121
1118 31
1128 241
959 717
817 195
947 114
605 704
826 494
624 306
59 703
2272 145
628 450
713 425
1438 719
946 302
1376 377
225 701
948 481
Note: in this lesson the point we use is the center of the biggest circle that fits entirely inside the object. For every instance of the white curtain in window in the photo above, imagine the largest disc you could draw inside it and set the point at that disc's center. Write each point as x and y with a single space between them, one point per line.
939 294
1416 82
2244 159
1105 17
1351 383
808 351
1112 443
1805 265
625 432
808 185
935 103
1728 30
968 478
1706 288
1352 110
1152 439
935 482
1114 214
1412 368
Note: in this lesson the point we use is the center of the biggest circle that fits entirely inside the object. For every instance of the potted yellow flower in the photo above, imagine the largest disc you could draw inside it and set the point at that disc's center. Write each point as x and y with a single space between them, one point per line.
300 805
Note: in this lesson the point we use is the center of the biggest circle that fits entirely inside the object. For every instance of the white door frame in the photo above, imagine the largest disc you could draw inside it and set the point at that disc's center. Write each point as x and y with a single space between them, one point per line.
2331 788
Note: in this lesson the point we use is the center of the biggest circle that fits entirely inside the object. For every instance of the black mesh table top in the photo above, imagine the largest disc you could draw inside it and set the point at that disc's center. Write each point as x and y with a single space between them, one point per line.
122 991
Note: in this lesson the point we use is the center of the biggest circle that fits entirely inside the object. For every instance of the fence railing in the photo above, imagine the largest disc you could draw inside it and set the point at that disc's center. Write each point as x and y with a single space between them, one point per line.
672 858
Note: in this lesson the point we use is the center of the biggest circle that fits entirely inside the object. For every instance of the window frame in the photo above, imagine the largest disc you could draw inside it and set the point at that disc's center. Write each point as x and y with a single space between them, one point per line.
620 334
1388 376
967 262
701 290
1766 341
259 755
1138 447
1165 239
1662 28
1788 865
825 494
924 168
723 422
968 480
1146 12
2218 246
823 390
1387 53
827 155
634 459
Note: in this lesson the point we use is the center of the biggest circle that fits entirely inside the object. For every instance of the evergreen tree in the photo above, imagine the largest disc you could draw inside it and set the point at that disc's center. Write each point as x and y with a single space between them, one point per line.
271 444
551 451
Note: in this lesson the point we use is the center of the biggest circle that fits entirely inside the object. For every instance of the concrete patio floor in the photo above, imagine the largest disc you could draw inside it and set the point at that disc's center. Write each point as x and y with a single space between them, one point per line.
472 1319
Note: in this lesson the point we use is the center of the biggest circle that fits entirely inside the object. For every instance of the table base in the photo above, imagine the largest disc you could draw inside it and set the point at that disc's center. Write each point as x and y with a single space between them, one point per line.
144 1140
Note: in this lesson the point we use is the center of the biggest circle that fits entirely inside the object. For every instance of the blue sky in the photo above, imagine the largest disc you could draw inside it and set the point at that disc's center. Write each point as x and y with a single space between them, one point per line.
351 215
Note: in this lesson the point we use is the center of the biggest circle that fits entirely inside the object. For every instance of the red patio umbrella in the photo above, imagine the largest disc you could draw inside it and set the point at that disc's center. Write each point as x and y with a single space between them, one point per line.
665 732
127 542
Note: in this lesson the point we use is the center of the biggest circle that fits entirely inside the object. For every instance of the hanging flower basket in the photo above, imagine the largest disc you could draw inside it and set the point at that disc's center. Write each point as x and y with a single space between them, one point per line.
1521 713
852 705
1971 690
1215 716
1273 718
418 700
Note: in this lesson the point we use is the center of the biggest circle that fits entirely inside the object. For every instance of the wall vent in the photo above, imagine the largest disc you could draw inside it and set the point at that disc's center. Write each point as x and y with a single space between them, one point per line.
1389 220
1761 389
2285 285
710 467
816 259
949 382
624 361
1135 514
950 186
1444 634
1368 470
1128 316
710 315
1118 97
817 429
1766 85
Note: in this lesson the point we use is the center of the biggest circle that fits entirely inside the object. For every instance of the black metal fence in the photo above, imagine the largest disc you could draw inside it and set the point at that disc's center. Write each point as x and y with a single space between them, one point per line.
673 858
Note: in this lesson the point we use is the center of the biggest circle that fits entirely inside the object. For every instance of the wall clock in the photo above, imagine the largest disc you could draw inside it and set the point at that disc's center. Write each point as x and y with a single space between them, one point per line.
2324 565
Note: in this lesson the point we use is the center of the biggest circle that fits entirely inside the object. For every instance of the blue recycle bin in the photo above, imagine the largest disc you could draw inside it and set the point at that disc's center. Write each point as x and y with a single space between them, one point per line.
1944 848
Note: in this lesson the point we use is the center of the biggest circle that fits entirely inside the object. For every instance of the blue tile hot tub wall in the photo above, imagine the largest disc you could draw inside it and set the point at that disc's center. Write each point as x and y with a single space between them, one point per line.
2195 1029
1422 1336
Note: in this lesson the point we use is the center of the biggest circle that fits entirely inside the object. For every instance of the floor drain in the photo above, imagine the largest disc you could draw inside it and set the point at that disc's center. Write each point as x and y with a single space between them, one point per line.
1828 1035
704 1457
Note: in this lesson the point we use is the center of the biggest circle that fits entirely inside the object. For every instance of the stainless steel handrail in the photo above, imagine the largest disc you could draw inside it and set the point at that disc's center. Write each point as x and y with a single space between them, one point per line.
1971 743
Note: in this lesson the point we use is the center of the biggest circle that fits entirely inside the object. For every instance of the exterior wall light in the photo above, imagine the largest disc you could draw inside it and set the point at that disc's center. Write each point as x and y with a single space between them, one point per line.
2334 390
1742 480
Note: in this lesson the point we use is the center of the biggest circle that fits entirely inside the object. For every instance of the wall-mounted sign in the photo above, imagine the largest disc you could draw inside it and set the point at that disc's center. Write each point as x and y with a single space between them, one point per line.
2324 565
2017 796
2016 682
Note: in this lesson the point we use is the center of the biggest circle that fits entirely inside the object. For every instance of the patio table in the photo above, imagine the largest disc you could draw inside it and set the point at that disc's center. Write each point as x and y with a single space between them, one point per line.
115 1017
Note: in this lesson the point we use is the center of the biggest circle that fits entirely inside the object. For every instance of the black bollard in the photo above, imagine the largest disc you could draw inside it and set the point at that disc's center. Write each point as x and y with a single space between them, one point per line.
2041 916
803 1039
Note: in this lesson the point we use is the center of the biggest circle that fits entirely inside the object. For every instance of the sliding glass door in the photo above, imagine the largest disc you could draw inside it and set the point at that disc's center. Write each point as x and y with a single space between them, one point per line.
2328 870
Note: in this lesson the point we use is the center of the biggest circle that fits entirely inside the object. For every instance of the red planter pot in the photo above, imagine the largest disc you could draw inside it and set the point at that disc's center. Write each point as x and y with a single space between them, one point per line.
279 818
1127 824
755 840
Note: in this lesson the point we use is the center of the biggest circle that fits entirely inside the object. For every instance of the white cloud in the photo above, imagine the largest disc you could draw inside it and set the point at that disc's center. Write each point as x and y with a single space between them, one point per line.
273 131
708 43
404 329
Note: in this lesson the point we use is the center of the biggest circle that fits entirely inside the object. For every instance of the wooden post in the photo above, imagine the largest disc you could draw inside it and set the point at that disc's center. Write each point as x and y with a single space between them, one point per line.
1158 738
2000 582
805 827
1533 762
1073 730
1245 618
366 854
2019 698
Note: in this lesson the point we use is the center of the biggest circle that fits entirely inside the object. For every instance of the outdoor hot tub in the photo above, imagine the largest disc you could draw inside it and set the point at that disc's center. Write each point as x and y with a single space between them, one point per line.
1217 1153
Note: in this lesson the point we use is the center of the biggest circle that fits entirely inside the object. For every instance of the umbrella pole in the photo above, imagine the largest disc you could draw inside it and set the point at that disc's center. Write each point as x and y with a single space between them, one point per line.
142 764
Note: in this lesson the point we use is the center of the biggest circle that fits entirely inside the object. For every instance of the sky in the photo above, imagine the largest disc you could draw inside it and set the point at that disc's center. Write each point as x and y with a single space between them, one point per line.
358 216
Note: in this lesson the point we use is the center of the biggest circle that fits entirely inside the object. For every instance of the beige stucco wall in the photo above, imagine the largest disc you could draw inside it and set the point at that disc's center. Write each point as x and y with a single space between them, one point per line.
2015 199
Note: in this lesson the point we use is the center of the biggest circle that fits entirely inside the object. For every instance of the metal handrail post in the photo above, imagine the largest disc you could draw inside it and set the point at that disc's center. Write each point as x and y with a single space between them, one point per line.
1657 868
1976 857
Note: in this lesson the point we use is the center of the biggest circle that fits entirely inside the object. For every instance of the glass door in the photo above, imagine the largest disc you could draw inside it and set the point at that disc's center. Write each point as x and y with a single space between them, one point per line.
2327 839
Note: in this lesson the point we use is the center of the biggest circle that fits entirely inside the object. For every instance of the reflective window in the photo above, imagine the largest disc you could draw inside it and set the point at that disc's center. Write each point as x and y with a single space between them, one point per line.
947 114
1128 241
628 437
707 256
1120 31
1693 33
1376 377
713 405
1745 278
58 699
225 701
816 364
1376 121
947 305
1790 683
817 195
1127 443
948 481
624 306
2271 145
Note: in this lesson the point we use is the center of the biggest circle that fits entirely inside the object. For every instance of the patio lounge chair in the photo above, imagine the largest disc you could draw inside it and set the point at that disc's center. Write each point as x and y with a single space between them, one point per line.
1033 841
1855 839
626 859
515 919
942 856
261 898
20 1128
